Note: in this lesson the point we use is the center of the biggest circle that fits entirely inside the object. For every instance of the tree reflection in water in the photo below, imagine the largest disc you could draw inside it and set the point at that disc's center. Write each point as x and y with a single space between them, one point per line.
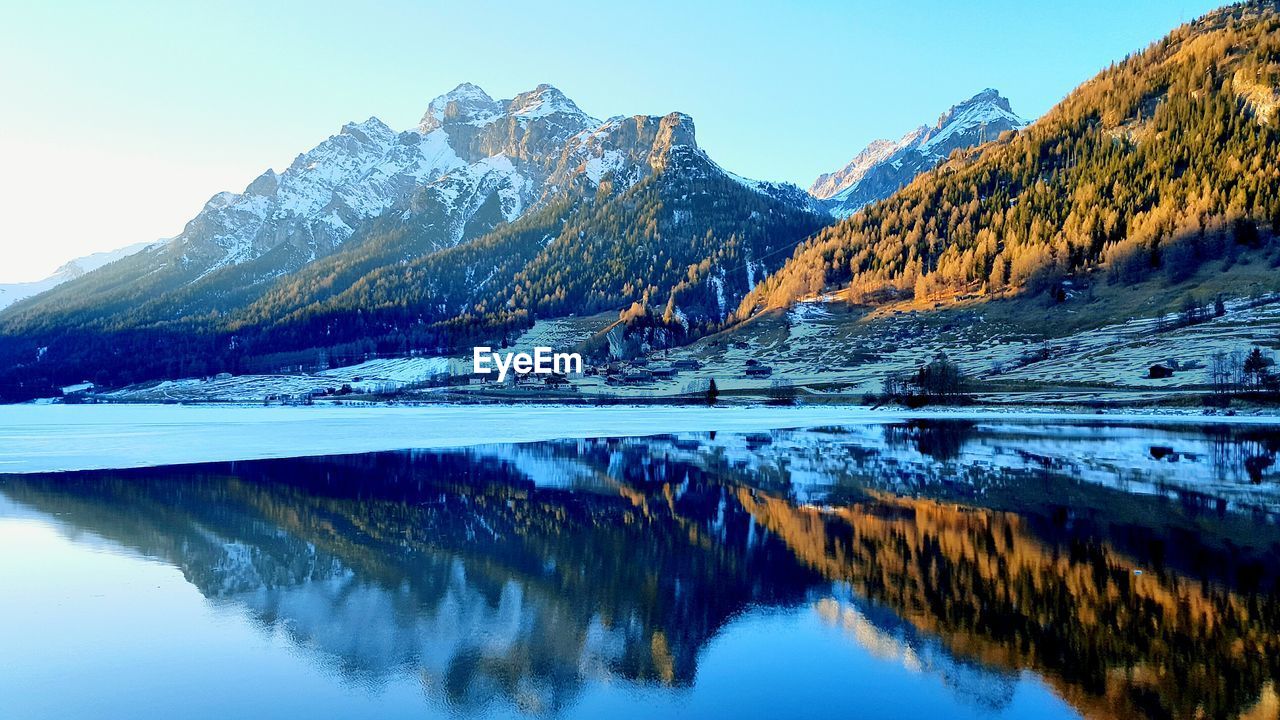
1133 583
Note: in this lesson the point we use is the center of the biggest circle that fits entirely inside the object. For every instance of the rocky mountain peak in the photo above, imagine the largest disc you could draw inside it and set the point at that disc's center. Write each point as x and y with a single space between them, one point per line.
265 184
876 152
372 129
466 103
987 107
542 101
884 166
676 130
987 96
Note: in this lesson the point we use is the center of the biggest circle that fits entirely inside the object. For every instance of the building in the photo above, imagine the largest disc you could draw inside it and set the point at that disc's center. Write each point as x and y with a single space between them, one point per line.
759 371
78 389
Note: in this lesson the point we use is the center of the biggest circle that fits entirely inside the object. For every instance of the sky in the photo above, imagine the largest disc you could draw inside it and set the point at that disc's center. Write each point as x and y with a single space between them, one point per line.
120 120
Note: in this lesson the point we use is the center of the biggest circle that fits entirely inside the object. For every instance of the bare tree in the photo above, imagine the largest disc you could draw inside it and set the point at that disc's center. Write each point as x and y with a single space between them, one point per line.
896 384
1221 373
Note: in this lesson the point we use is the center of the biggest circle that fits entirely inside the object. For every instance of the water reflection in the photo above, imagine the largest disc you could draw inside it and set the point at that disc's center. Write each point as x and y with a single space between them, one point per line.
1133 570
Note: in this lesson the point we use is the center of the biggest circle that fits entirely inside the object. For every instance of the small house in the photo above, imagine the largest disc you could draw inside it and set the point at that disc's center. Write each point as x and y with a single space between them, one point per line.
78 388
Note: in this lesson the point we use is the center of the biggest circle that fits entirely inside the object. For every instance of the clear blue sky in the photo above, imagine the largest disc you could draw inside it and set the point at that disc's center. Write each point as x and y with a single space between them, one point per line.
133 114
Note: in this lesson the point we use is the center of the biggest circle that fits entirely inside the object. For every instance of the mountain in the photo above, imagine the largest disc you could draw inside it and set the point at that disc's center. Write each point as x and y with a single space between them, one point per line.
467 149
472 163
1163 162
640 215
487 215
11 293
885 166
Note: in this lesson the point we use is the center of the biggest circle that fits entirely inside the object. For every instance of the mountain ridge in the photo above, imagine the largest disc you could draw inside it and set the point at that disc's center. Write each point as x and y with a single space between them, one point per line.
884 166
273 269
470 153
11 293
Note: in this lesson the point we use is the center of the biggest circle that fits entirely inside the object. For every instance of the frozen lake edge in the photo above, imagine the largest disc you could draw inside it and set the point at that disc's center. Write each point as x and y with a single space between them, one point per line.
59 438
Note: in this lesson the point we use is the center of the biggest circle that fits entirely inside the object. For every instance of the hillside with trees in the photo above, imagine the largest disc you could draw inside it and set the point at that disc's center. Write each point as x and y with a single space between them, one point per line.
688 237
1165 160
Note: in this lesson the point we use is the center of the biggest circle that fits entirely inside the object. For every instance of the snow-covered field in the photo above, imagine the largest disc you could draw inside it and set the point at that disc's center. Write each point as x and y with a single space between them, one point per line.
822 347
372 376
822 344
50 438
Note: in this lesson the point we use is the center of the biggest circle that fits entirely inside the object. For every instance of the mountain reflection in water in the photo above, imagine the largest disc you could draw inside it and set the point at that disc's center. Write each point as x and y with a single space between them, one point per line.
1132 570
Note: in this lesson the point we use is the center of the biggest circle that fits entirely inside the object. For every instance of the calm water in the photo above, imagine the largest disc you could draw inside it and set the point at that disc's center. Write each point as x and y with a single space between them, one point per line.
934 570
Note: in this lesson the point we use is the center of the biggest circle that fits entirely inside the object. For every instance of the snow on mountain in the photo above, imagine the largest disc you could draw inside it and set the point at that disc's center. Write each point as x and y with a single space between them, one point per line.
315 204
11 293
625 149
782 192
543 101
467 148
75 268
982 117
621 149
884 166
472 163
873 155
466 103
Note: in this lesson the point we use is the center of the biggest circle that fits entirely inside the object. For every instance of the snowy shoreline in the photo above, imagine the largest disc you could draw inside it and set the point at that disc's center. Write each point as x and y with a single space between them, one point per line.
58 438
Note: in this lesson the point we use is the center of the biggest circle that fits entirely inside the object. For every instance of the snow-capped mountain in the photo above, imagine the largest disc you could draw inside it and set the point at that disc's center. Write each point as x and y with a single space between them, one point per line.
371 198
884 166
469 153
11 293
636 191
467 147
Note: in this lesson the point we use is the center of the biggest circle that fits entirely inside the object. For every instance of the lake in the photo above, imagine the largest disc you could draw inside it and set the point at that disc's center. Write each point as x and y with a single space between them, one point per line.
926 568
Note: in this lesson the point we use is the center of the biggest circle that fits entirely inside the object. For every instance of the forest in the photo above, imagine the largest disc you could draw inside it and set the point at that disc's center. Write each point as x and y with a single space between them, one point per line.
1166 159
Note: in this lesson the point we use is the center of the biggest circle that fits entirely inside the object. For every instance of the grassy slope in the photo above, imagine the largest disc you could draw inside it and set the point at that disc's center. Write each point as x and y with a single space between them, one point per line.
1101 338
